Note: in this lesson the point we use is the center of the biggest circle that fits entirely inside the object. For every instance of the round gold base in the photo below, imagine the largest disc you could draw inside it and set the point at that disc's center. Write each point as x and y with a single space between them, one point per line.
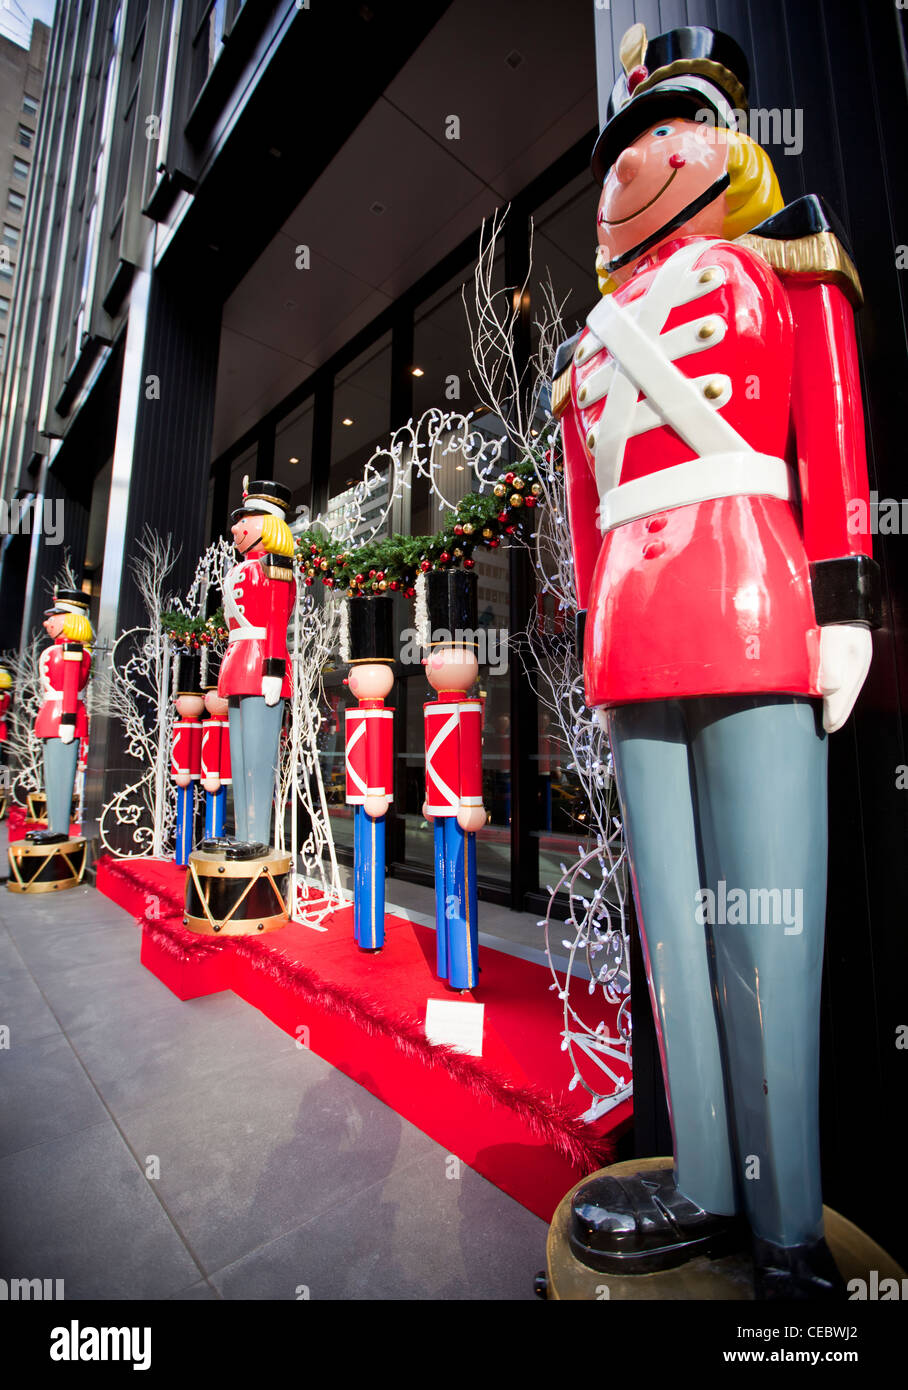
46 868
727 1279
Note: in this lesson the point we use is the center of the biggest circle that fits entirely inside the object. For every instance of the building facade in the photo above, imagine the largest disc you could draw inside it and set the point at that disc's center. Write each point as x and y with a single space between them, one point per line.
21 83
250 229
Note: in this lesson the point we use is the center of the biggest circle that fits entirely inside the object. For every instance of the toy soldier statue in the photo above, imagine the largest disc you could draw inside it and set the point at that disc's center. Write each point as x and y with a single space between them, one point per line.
259 594
713 438
215 756
186 759
62 721
50 859
369 758
239 885
453 727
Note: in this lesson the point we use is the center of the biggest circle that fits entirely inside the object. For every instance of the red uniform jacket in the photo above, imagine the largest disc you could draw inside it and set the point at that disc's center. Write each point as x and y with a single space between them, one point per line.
4 706
369 751
186 755
697 579
215 751
259 594
64 669
453 725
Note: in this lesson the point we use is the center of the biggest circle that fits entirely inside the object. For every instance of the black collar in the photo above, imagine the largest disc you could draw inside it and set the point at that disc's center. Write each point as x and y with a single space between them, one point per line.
677 221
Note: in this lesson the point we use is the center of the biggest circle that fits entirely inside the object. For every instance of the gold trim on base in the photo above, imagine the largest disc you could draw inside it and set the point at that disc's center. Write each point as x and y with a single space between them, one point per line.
214 867
23 852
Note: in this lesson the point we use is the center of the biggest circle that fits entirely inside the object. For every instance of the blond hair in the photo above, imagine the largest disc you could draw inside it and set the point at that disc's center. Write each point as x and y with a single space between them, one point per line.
6 679
753 194
277 537
77 628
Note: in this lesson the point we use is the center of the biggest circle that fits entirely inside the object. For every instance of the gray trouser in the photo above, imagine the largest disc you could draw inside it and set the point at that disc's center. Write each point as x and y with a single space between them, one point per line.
60 760
727 794
255 731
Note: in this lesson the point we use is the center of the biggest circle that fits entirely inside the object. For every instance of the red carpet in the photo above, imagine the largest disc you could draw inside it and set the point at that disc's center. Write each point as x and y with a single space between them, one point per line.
18 824
508 1114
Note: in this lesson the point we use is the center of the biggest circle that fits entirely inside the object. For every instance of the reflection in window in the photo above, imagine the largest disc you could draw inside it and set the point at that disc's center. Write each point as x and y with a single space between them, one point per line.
564 252
361 411
293 457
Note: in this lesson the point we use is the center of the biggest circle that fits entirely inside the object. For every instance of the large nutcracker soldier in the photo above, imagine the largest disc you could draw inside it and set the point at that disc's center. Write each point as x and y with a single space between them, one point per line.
453 729
369 758
238 885
713 438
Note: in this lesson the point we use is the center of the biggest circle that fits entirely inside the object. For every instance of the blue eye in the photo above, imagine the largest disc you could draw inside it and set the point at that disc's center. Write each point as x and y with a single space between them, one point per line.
663 130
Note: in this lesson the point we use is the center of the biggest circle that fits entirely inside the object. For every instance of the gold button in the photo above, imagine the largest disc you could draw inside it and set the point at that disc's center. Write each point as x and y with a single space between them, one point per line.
713 389
706 330
591 440
582 394
706 276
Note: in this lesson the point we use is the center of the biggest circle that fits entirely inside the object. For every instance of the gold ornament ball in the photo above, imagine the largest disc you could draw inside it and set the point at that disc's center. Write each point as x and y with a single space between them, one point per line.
500 489
516 500
536 489
468 528
458 552
519 484
383 583
488 532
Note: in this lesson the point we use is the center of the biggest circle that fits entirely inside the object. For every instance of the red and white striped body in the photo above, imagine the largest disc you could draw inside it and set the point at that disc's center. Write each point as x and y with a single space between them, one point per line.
186 757
453 727
369 751
214 761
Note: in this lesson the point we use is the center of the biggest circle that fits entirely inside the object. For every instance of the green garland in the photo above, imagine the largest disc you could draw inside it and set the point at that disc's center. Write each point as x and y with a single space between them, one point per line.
195 632
394 562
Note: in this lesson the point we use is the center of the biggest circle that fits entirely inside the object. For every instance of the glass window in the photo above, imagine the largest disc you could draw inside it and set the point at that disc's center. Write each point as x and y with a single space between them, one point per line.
20 169
10 235
361 411
30 105
2 346
15 201
244 466
4 307
25 137
6 270
564 253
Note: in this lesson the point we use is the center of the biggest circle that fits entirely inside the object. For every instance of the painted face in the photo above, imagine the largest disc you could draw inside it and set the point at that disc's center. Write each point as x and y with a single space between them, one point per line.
451 668
653 180
189 706
216 704
247 532
53 625
371 680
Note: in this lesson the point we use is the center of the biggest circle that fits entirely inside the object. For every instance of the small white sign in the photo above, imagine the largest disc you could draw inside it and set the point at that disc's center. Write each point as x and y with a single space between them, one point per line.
457 1025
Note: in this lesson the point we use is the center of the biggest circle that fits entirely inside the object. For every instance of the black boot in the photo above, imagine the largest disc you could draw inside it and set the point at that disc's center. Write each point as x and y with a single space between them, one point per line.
643 1224
796 1271
45 837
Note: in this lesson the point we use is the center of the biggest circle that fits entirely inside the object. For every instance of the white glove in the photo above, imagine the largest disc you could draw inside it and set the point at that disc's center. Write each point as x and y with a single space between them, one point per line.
67 733
271 689
845 652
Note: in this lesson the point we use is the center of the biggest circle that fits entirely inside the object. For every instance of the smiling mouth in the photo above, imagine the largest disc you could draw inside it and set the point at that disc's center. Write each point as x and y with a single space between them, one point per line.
655 198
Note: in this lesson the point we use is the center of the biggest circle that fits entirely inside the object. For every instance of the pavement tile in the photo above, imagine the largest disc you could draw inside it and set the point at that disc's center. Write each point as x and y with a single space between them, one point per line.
45 1094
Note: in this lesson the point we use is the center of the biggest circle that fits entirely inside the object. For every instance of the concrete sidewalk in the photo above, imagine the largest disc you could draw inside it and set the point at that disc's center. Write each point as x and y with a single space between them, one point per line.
153 1149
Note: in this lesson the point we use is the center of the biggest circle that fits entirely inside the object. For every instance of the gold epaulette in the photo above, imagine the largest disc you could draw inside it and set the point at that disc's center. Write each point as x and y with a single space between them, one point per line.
275 570
820 256
561 392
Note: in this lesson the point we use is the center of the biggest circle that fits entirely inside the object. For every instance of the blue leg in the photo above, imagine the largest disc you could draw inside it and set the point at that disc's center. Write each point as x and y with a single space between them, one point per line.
460 866
261 732
215 809
185 817
238 771
60 761
441 900
371 933
358 817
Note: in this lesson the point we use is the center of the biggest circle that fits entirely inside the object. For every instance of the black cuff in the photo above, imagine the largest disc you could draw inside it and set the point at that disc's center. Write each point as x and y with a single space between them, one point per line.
68 719
73 647
579 633
846 590
274 666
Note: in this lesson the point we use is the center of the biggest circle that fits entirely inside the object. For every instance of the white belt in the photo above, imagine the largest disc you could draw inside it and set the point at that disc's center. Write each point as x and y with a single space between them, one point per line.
742 474
247 634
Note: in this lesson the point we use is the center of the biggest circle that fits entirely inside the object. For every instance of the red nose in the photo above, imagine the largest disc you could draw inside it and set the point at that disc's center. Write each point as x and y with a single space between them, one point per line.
677 161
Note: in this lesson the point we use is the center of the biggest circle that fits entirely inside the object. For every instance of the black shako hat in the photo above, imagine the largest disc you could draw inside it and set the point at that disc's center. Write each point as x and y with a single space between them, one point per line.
263 498
189 674
372 629
68 601
679 73
212 670
451 607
